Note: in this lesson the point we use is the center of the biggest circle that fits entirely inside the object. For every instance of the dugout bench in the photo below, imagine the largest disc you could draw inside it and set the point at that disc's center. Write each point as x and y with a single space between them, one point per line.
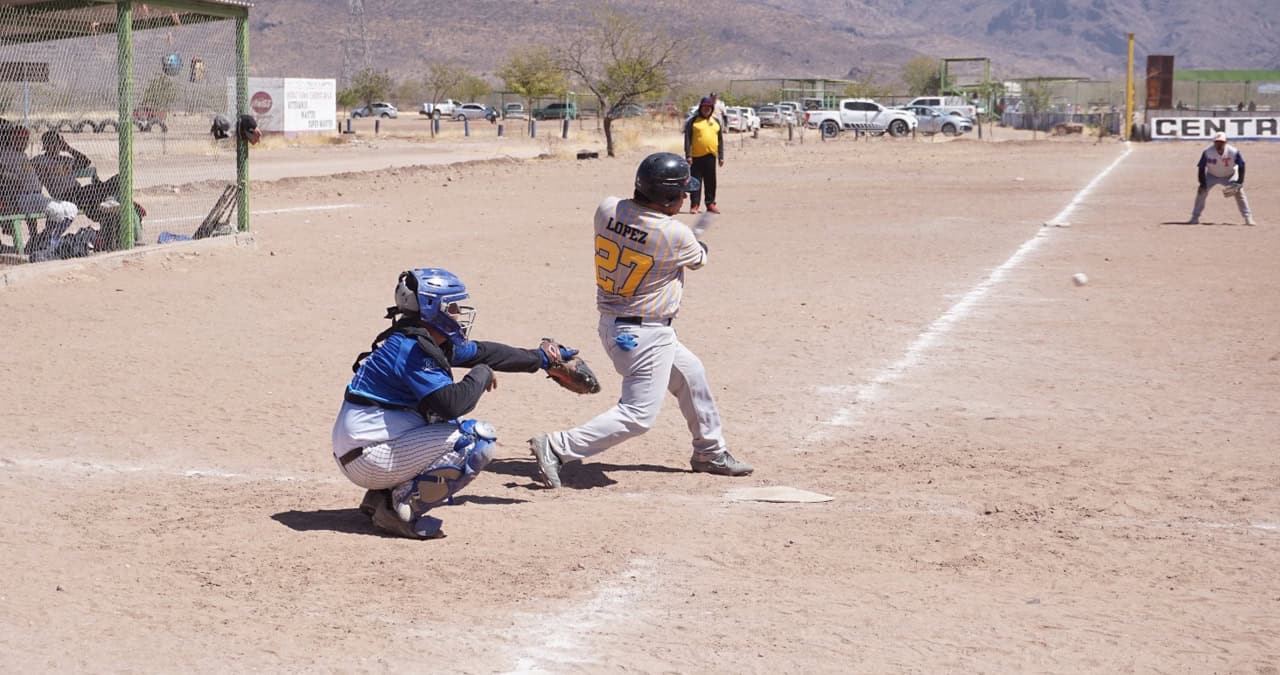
10 223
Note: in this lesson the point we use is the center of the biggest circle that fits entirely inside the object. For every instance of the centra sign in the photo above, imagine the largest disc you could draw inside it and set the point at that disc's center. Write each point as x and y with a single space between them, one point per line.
1203 128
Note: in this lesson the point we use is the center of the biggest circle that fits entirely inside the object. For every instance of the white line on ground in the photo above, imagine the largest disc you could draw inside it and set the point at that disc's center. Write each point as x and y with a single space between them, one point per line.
931 505
871 390
264 212
85 468
550 643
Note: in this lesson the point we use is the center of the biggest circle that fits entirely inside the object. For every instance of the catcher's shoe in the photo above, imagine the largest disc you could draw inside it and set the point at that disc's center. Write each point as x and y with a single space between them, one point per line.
723 465
370 502
693 209
548 461
713 208
387 520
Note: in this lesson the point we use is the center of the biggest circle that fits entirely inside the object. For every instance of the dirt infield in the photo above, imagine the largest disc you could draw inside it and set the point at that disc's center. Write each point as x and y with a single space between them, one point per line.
1028 475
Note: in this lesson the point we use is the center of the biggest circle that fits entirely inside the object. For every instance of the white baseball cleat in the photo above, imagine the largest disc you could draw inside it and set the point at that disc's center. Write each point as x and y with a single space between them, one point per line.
723 465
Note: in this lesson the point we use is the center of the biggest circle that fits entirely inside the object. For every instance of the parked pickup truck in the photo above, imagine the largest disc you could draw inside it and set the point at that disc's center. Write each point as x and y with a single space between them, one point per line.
861 114
445 109
946 104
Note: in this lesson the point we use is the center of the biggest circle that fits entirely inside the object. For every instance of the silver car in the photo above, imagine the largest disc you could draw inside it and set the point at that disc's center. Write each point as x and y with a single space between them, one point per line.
934 121
474 111
771 116
377 109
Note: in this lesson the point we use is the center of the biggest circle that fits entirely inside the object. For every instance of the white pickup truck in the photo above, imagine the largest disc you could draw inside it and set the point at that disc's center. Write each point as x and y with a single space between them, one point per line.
861 114
947 104
445 109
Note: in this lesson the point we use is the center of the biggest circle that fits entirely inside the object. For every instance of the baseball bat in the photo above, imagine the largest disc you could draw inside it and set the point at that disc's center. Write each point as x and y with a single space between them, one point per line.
701 224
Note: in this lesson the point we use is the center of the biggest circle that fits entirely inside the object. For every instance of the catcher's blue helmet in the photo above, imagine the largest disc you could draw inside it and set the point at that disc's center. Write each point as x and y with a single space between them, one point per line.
436 296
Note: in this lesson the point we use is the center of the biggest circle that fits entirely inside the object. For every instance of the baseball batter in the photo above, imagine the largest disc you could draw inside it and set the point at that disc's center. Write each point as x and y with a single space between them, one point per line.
641 254
1221 164
400 432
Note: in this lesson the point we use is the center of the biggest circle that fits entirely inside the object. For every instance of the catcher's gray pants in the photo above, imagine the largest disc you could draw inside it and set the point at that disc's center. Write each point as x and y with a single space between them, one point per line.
658 363
1203 192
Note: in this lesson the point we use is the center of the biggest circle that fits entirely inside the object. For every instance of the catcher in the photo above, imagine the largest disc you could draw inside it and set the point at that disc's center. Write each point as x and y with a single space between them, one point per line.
400 433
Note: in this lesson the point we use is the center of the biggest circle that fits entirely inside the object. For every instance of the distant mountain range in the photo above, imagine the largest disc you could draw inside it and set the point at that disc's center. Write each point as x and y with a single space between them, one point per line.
837 39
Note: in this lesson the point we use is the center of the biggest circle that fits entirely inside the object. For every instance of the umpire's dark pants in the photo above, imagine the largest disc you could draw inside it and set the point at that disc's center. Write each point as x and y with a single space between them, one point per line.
704 169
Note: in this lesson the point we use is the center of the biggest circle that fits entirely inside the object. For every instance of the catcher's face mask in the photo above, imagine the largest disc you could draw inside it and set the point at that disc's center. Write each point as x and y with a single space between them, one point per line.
463 315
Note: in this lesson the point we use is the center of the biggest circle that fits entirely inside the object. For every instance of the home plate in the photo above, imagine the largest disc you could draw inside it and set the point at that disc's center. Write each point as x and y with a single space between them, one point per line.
776 493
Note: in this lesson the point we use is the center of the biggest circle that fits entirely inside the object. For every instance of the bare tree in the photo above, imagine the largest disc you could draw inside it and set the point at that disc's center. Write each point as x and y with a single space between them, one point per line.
622 61
442 79
533 73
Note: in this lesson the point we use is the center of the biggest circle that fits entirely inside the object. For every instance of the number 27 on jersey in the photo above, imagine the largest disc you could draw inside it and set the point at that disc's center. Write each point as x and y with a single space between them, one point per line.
619 269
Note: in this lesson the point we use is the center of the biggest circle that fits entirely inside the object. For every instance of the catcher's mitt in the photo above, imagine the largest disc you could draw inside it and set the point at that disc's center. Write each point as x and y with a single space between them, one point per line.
568 369
1231 190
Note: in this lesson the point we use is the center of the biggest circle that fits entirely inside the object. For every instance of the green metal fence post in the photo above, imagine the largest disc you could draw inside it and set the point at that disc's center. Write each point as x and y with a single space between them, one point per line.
124 82
242 108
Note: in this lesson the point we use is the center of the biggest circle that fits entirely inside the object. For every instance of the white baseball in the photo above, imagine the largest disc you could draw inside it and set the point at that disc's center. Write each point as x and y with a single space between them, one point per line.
1080 278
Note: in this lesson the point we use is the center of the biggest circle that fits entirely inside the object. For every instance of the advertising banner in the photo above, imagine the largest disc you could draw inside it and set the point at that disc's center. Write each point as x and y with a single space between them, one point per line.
1203 128
290 105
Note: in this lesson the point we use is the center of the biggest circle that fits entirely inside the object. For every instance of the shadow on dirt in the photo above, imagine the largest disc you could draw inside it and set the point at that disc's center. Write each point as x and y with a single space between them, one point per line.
574 475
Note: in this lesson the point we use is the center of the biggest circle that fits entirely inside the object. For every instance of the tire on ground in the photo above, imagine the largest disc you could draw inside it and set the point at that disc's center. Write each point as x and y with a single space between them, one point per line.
829 129
898 128
104 124
948 129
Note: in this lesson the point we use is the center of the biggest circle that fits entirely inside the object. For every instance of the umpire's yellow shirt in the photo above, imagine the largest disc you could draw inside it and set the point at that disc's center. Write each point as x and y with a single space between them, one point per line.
702 137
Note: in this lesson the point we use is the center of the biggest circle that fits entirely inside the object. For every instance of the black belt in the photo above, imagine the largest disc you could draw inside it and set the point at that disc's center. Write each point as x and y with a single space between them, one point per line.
352 397
351 456
637 320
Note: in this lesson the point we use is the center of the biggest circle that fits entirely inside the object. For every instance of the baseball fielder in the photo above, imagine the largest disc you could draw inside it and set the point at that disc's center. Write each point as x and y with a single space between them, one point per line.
1219 164
641 254
400 432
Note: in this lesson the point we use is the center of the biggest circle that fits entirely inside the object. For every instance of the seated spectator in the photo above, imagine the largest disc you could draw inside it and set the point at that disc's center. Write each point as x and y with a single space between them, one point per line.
99 200
21 190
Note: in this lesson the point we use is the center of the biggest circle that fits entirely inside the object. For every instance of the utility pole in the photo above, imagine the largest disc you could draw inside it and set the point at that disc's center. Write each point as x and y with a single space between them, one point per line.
355 44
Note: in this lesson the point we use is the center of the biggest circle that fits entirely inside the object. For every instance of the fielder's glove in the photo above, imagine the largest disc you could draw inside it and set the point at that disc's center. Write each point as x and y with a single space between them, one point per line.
1231 190
567 368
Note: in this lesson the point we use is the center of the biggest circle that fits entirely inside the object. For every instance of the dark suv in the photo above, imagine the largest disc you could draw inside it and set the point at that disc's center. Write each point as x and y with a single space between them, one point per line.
557 111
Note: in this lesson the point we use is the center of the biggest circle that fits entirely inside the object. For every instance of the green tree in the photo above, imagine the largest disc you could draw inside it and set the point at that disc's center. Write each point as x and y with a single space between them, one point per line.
371 85
921 75
348 98
532 72
472 88
622 61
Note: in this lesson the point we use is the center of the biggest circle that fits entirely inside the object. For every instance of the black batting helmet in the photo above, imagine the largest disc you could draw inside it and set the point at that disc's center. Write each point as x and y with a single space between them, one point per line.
221 127
663 176
247 129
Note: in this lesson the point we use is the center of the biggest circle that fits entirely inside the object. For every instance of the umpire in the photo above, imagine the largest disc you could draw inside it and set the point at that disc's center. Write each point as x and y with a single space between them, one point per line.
704 150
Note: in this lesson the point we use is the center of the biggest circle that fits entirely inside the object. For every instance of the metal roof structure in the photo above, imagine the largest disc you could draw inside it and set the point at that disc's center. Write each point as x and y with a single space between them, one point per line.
32 20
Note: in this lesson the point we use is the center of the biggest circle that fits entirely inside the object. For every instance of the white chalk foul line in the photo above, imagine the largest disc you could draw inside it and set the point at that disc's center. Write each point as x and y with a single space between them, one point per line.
553 643
264 212
871 390
87 468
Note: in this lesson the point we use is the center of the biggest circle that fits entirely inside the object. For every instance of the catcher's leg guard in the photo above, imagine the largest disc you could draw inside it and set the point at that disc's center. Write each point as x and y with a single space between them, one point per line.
455 470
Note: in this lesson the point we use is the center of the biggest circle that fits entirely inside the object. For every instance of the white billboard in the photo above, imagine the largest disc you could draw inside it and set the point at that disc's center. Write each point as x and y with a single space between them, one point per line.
290 105
1203 128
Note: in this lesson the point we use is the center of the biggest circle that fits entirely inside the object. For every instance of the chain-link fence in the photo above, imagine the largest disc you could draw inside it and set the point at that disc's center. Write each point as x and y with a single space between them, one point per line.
68 138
